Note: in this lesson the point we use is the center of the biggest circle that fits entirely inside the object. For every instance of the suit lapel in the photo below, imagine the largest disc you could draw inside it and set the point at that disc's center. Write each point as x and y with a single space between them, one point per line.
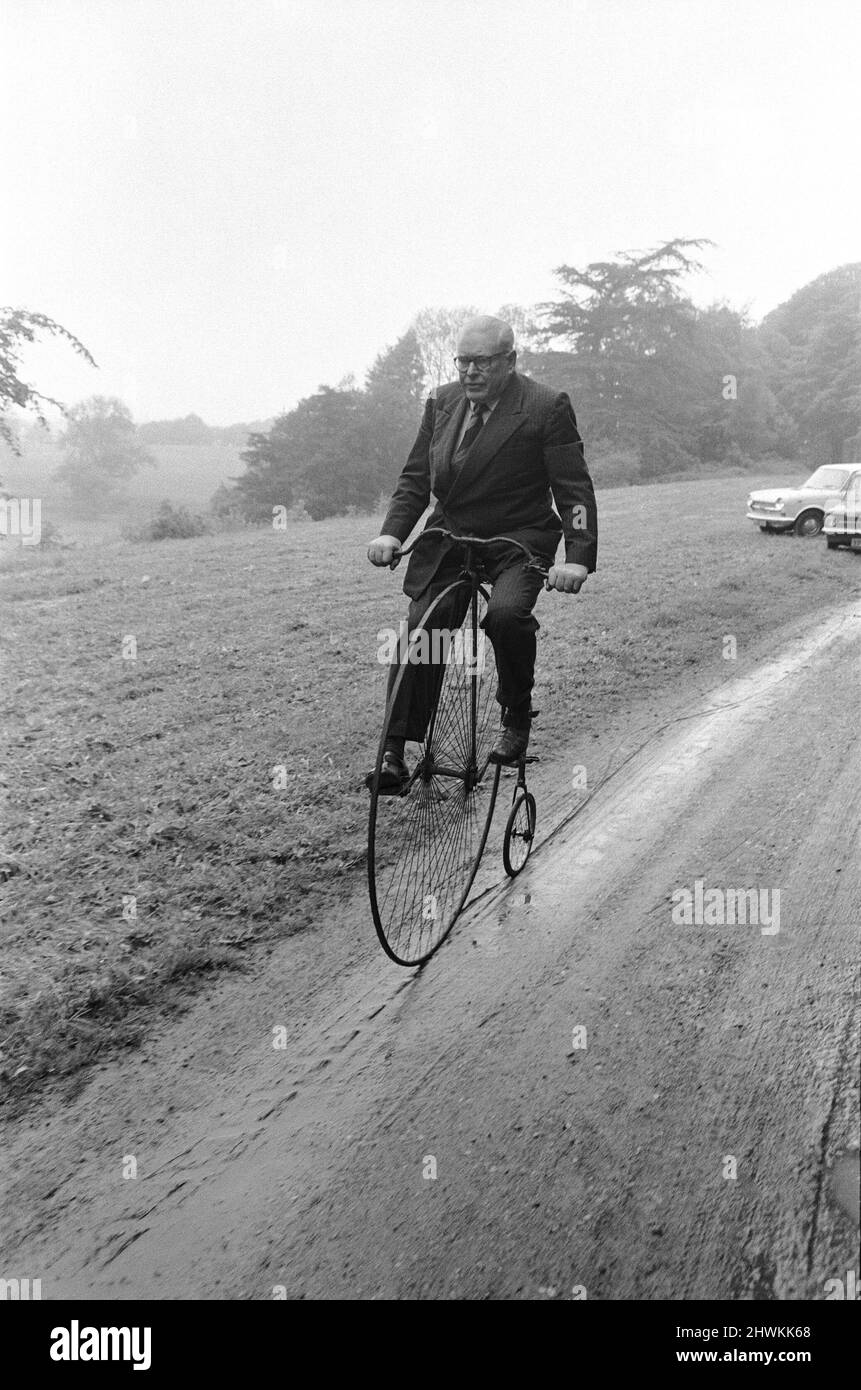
449 421
507 417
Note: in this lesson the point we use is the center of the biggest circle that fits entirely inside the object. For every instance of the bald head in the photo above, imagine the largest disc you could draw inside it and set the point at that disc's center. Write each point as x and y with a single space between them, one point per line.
491 341
494 330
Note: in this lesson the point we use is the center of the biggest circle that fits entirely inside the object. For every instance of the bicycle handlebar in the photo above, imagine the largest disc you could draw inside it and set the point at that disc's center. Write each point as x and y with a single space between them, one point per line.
533 561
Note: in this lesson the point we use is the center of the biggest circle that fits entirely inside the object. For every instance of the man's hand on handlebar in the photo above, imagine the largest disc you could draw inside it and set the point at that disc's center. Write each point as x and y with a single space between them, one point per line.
566 579
383 550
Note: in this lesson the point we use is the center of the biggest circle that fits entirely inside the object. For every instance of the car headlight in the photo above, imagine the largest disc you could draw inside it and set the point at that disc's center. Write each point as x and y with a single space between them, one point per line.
778 502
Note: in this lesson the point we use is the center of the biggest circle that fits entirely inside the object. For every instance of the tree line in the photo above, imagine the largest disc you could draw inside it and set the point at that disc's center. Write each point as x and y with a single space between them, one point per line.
659 386
191 429
656 382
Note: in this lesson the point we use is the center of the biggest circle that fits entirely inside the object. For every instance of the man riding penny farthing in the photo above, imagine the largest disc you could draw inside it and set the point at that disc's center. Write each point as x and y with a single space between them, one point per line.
495 449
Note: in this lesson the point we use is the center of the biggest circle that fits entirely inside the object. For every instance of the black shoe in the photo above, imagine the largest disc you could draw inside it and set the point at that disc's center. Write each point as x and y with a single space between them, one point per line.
509 745
394 775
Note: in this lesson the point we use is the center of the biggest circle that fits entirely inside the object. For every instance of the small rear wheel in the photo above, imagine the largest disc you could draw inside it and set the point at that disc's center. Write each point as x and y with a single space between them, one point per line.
519 833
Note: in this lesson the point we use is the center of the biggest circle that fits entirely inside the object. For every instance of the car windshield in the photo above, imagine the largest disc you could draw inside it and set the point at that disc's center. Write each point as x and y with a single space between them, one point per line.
827 477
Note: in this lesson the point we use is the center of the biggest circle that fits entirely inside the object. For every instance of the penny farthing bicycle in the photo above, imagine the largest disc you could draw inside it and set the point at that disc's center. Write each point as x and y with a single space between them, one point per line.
425 842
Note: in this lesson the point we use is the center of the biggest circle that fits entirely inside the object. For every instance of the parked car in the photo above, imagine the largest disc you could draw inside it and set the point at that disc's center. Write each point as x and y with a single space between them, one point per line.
801 509
842 524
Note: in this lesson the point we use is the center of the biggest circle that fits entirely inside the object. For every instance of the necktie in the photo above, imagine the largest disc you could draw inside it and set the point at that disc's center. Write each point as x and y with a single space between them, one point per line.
475 424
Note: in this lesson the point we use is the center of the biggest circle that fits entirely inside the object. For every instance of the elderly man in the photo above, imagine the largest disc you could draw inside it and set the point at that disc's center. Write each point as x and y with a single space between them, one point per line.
493 448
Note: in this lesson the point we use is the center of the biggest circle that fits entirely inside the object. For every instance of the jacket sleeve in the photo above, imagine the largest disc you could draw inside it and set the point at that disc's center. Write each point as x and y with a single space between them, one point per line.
571 485
412 493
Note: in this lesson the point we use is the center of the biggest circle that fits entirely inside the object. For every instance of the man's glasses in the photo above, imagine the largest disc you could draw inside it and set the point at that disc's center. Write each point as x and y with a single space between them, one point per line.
482 364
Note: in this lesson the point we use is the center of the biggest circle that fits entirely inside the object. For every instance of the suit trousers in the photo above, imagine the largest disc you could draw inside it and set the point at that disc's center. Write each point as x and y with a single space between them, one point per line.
510 625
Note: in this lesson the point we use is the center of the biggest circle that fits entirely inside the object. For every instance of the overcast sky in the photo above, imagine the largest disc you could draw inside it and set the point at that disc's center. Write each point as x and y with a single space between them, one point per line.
233 201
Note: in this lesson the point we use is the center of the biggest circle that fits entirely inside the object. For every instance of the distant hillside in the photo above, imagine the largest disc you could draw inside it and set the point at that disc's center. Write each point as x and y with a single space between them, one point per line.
191 429
184 474
187 473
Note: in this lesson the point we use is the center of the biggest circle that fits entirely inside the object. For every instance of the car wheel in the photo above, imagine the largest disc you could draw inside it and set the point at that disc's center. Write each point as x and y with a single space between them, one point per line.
808 524
764 526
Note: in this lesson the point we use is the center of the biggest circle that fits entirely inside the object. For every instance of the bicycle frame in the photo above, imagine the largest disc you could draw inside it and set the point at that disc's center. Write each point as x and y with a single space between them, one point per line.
426 839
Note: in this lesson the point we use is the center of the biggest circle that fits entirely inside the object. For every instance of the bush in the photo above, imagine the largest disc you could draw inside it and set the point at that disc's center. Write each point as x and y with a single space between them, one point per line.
614 468
735 458
228 509
661 454
171 523
53 537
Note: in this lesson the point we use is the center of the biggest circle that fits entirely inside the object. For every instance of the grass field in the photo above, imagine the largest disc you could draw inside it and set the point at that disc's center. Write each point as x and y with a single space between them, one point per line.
149 838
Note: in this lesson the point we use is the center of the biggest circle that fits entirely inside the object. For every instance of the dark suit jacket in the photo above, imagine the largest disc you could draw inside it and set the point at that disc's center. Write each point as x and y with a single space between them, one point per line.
528 449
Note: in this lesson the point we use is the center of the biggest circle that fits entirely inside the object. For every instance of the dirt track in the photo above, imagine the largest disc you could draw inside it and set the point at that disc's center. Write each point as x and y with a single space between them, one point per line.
600 1167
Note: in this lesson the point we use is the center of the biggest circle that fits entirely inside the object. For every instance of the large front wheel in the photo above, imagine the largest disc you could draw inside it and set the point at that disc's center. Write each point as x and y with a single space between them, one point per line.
426 841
